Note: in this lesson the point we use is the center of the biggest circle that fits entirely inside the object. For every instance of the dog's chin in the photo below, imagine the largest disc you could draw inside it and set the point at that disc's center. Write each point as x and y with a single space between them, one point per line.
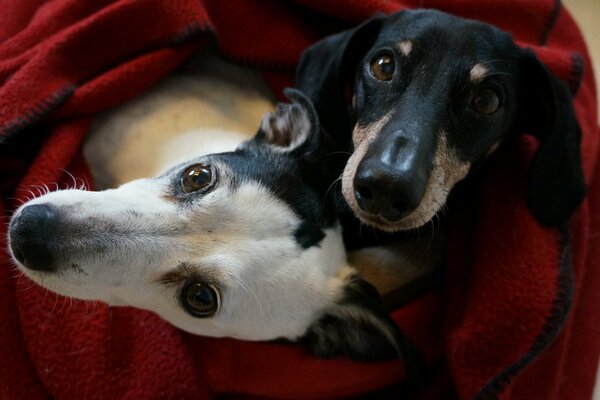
412 221
418 218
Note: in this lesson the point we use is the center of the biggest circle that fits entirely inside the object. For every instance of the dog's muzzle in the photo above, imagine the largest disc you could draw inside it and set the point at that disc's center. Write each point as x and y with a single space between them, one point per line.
31 237
391 179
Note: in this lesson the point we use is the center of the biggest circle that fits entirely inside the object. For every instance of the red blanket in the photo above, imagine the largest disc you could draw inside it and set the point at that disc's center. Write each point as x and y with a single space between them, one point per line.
519 317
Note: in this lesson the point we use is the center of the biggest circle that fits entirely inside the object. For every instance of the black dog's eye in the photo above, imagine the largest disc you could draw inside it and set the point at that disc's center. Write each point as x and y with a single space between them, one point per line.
196 177
383 67
486 101
201 300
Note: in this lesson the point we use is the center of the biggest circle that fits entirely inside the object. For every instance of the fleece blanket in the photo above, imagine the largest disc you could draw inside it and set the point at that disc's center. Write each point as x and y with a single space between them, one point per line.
519 314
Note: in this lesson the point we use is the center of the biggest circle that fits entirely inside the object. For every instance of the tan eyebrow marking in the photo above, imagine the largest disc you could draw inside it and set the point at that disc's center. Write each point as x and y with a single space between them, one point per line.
185 271
405 47
478 72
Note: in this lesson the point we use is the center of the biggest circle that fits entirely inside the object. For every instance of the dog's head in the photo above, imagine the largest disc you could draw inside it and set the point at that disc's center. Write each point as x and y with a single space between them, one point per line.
432 95
242 244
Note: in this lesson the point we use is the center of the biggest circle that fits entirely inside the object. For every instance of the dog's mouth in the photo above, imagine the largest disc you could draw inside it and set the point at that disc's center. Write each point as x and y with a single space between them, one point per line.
414 220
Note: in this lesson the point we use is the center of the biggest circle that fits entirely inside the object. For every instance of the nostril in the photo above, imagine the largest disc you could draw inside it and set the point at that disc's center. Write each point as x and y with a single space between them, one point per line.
399 205
396 211
364 193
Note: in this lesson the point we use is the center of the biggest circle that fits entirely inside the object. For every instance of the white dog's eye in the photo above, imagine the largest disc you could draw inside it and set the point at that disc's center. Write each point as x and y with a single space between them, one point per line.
196 177
201 300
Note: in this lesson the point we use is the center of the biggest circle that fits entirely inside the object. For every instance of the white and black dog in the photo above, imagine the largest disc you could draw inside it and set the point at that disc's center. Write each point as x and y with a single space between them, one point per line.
243 243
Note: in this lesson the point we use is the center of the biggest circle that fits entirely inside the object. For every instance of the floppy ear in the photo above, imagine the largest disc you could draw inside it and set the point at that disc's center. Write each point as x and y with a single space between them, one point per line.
556 182
328 66
359 327
292 127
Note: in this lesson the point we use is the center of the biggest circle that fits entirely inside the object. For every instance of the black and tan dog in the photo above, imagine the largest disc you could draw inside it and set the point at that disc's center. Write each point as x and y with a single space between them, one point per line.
421 97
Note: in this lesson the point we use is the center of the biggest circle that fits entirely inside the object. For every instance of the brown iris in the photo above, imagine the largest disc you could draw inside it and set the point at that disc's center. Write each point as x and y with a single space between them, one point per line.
196 177
201 300
383 67
486 101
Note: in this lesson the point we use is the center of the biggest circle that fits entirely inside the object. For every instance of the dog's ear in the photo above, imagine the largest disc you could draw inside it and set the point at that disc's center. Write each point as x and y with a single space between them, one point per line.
292 127
359 327
556 182
328 66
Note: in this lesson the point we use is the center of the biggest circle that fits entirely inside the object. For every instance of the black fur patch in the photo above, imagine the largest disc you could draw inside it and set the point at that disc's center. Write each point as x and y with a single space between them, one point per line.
308 235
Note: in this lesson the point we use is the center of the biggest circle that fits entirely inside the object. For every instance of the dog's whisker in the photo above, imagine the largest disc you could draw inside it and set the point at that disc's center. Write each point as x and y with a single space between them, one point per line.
71 176
339 179
55 304
86 183
36 187
247 290
492 61
347 153
498 74
45 295
22 289
70 304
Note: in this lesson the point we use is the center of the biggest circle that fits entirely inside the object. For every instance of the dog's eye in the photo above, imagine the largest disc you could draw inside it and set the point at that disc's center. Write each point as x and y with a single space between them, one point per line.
196 177
383 67
201 300
486 101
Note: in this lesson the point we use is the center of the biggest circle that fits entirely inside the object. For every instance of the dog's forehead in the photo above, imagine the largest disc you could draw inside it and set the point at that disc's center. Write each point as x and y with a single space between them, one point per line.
255 163
433 34
243 163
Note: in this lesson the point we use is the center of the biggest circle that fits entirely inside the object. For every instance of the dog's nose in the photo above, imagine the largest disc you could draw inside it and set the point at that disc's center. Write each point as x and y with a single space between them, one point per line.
381 189
31 234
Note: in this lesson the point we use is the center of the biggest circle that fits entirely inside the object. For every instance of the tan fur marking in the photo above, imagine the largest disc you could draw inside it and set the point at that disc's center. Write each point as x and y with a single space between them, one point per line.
405 47
185 271
361 137
492 149
370 132
478 72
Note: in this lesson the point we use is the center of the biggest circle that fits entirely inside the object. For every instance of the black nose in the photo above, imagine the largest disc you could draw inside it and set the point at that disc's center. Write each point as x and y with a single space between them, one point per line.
386 190
31 235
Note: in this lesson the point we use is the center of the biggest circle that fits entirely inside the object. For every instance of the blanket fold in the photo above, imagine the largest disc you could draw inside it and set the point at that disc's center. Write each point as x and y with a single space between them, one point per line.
519 315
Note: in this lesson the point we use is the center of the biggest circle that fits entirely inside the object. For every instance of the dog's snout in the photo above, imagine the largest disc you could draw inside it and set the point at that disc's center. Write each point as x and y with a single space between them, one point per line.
380 190
31 235
391 179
